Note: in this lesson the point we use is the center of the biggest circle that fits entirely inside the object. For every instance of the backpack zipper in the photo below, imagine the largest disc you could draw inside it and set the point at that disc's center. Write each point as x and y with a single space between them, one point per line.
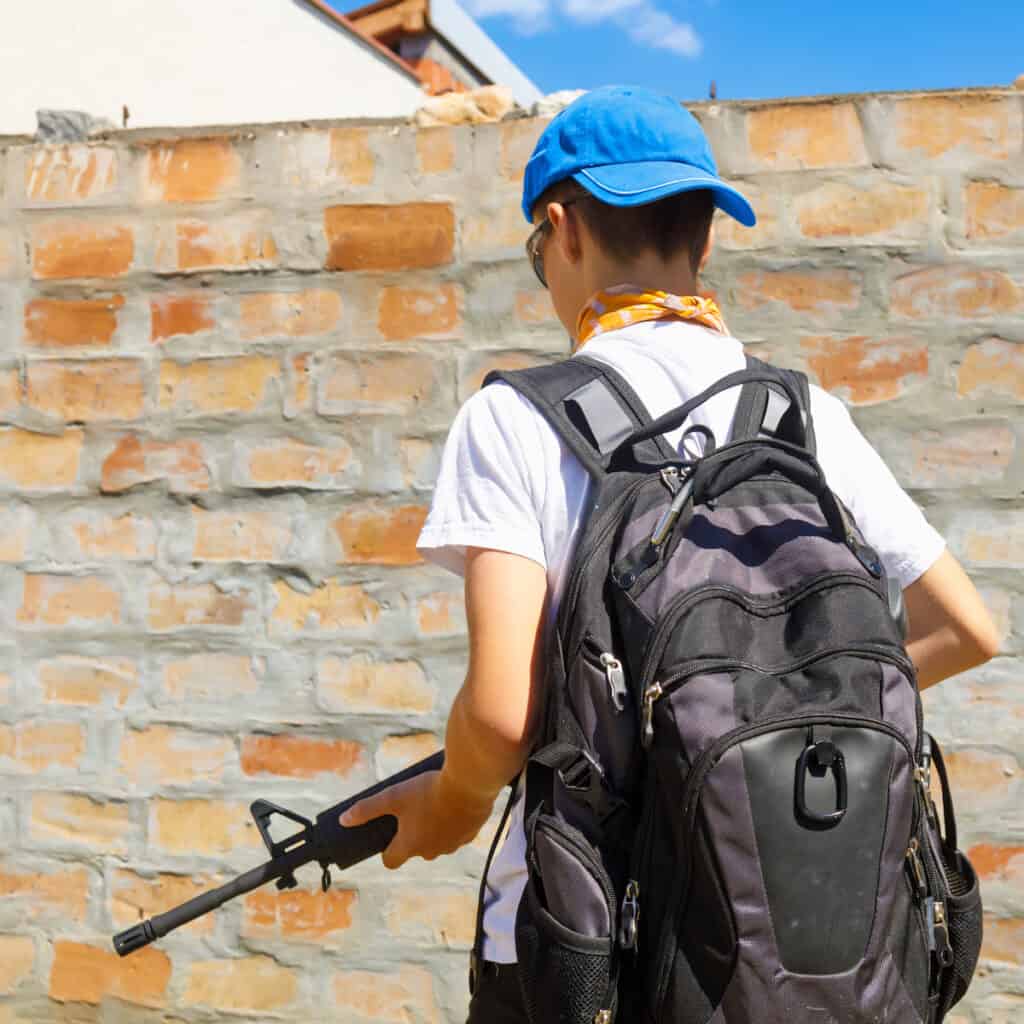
614 672
699 771
653 693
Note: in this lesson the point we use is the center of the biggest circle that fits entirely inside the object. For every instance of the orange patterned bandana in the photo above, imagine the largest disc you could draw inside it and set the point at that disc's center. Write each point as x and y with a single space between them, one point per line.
625 304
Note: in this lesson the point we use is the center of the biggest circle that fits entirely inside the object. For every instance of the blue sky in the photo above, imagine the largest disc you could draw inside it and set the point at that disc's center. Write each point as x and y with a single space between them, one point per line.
759 48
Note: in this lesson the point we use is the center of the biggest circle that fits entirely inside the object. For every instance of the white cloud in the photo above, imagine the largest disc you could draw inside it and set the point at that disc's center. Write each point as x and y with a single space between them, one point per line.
641 20
656 28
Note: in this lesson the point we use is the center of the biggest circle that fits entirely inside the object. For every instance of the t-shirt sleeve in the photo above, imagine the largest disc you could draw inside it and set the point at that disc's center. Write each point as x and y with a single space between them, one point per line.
485 495
890 520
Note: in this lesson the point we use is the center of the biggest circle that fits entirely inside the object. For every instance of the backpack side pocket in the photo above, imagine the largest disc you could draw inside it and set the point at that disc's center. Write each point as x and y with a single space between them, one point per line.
565 928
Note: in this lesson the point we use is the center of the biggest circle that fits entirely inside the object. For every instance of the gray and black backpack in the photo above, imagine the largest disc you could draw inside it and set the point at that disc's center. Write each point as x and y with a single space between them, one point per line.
729 817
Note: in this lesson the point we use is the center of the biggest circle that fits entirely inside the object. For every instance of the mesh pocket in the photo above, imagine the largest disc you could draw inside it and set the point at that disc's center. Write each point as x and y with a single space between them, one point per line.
566 977
964 914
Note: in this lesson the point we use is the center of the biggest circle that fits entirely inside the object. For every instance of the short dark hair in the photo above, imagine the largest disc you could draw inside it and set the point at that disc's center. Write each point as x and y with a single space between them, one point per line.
677 224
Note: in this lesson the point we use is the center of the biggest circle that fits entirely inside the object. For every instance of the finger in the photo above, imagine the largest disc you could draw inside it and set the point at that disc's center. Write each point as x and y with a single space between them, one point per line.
368 809
394 856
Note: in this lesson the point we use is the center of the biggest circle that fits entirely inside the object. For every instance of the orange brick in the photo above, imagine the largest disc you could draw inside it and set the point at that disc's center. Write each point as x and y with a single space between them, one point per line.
79 248
993 210
229 535
242 241
174 315
290 314
134 898
824 293
358 686
998 863
971 455
7 250
731 235
376 536
65 174
518 139
298 757
330 607
931 126
37 746
298 915
996 544
396 753
204 677
865 371
535 307
17 957
434 917
833 211
39 461
190 171
93 391
72 323
406 994
64 892
86 974
981 779
81 821
88 681
253 984
404 237
68 601
495 234
216 386
201 827
98 536
16 522
291 463
10 392
180 465
162 755
476 367
795 136
435 150
298 385
992 366
954 291
199 606
406 313
357 383
1004 940
441 614
351 158
419 461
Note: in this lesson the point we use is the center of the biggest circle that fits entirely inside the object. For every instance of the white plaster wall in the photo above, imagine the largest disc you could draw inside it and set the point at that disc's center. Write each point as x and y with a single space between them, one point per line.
190 62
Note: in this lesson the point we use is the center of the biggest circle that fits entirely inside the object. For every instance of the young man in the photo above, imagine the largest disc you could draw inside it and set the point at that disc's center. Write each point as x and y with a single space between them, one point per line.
621 188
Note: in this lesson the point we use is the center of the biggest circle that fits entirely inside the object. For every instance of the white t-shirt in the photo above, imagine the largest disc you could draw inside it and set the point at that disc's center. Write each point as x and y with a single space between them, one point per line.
508 483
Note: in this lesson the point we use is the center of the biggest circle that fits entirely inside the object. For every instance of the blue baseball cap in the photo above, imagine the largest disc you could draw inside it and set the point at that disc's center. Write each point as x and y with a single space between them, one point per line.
628 146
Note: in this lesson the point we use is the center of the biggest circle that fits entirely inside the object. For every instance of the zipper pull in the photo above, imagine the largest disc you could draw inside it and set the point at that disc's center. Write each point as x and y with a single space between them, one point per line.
630 916
939 930
651 694
672 513
616 677
917 869
603 1017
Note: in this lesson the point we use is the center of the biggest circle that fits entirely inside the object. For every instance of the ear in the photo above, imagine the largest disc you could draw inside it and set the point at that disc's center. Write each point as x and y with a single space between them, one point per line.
708 247
566 231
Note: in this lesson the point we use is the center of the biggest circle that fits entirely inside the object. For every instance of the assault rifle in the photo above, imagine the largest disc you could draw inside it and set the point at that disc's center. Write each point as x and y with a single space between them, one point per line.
326 841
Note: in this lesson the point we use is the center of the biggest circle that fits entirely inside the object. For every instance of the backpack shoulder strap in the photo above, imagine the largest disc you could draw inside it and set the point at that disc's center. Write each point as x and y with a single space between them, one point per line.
762 410
589 405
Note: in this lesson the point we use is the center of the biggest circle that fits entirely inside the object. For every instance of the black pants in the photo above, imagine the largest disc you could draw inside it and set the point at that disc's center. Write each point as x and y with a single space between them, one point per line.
498 998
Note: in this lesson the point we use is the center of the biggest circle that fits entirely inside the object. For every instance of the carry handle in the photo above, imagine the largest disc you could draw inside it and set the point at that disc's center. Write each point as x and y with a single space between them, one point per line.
677 417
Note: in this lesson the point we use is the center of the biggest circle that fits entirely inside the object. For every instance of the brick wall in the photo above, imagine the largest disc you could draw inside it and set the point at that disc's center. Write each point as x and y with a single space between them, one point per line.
227 365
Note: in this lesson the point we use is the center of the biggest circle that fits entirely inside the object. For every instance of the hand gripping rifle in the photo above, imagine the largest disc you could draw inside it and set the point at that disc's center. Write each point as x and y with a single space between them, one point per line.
327 842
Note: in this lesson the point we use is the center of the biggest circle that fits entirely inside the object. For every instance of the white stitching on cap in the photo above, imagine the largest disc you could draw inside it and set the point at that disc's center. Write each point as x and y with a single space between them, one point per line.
713 183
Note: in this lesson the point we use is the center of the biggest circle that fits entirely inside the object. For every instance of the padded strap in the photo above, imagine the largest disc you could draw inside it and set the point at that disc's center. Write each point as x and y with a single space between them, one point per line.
765 410
589 405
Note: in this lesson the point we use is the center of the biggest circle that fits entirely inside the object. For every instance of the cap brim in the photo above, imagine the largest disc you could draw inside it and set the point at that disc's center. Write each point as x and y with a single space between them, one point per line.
647 181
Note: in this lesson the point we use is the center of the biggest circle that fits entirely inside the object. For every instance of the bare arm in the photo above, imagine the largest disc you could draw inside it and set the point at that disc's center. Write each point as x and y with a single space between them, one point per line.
491 725
950 627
